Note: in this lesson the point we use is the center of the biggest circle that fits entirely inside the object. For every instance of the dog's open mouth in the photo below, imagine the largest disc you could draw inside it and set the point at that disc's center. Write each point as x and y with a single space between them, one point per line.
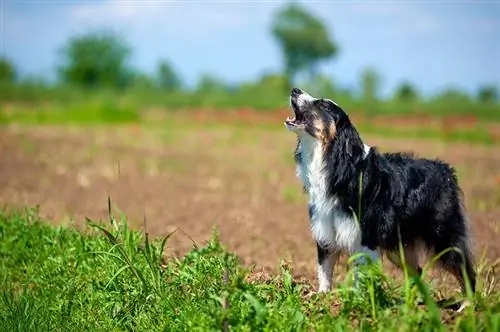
298 117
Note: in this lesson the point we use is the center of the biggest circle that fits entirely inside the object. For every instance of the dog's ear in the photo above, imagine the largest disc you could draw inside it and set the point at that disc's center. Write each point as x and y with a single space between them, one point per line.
348 144
348 148
342 158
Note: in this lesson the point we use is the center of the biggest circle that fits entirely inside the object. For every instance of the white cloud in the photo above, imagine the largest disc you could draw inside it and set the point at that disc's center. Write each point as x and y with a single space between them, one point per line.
111 10
380 9
404 17
233 38
185 16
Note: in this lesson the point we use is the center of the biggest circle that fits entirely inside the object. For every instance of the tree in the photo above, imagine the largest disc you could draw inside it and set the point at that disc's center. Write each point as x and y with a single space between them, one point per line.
303 39
142 81
210 84
96 59
7 71
406 92
453 96
168 79
487 94
370 82
267 83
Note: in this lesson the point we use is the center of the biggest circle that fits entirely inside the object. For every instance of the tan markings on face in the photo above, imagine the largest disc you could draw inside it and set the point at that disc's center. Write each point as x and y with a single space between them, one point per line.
324 132
333 131
319 127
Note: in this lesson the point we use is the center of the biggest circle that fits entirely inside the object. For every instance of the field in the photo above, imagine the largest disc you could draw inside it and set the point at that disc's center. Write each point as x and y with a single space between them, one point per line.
184 174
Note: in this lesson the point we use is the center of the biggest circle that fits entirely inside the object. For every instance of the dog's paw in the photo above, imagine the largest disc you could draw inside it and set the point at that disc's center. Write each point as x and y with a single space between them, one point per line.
310 294
465 304
315 293
454 305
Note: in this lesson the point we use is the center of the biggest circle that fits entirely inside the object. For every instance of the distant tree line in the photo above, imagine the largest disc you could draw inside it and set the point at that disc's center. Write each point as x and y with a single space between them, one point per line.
102 59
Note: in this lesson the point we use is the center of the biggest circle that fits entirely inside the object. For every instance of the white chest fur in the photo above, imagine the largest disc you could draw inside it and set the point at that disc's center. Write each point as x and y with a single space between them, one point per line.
330 225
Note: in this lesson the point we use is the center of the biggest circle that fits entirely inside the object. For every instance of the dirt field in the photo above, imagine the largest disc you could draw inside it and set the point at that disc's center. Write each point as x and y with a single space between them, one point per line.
241 179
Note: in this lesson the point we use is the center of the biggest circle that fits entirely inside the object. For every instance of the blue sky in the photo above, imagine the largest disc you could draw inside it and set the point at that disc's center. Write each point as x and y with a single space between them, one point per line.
434 44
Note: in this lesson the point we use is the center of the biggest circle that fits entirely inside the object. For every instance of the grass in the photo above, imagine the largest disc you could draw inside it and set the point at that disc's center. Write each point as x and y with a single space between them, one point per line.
87 112
111 278
475 135
270 97
106 111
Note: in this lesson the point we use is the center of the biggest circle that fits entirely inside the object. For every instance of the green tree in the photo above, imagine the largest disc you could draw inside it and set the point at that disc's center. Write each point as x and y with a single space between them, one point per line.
406 92
168 79
96 59
370 83
271 81
487 94
268 83
143 81
208 83
453 95
303 39
7 71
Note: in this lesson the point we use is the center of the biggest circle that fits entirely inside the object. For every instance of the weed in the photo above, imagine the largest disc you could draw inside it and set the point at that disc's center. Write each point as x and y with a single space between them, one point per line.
114 278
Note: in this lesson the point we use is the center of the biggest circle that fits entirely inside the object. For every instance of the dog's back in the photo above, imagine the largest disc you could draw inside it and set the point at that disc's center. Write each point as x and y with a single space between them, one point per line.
423 205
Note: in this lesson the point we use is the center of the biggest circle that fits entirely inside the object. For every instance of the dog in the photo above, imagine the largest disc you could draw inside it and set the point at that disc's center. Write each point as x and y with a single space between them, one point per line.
362 201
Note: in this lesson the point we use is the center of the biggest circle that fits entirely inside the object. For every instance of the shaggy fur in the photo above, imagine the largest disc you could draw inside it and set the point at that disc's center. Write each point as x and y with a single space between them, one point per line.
402 198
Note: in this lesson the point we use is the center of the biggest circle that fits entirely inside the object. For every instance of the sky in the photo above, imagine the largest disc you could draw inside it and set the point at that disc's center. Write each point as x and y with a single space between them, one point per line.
433 44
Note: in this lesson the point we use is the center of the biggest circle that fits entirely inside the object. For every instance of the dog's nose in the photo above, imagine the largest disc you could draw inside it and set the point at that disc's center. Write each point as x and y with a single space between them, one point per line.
296 92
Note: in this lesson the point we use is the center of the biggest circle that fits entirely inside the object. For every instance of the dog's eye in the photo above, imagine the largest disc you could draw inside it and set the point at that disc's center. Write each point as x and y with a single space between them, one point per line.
327 106
323 104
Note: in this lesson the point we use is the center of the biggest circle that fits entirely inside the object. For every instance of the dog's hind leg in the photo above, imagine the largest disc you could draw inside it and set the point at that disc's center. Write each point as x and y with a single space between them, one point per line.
460 265
410 257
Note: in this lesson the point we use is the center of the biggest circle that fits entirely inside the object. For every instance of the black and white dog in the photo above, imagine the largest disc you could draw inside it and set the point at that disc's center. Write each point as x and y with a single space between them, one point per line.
402 199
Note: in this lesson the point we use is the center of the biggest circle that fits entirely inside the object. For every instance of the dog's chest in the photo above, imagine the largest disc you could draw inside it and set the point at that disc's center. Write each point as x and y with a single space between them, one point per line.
330 225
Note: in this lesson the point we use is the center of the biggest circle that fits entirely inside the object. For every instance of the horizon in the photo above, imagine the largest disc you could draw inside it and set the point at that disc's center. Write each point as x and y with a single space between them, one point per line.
452 44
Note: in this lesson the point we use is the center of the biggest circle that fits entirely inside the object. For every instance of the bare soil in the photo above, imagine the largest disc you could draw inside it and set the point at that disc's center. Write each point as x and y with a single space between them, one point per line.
239 179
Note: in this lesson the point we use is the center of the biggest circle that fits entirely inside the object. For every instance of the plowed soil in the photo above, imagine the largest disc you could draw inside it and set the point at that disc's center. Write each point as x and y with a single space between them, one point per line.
240 179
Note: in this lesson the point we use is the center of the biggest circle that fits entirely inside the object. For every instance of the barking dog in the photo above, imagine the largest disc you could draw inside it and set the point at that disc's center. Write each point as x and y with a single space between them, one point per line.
402 199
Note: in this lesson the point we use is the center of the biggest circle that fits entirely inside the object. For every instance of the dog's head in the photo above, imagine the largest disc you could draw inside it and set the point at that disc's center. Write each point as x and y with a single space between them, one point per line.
325 122
317 117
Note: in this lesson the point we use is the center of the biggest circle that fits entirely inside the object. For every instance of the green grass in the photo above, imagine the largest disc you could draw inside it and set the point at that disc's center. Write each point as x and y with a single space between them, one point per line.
474 135
270 97
106 111
88 112
111 278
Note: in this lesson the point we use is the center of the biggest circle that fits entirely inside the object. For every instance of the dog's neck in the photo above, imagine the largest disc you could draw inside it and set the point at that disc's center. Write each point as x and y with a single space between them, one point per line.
310 161
317 167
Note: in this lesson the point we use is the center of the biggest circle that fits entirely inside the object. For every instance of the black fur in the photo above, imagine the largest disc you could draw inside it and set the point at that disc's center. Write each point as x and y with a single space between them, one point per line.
311 211
322 253
403 197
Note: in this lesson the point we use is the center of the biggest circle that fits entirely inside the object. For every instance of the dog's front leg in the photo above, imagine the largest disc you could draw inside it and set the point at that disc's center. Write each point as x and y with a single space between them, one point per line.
327 254
326 262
